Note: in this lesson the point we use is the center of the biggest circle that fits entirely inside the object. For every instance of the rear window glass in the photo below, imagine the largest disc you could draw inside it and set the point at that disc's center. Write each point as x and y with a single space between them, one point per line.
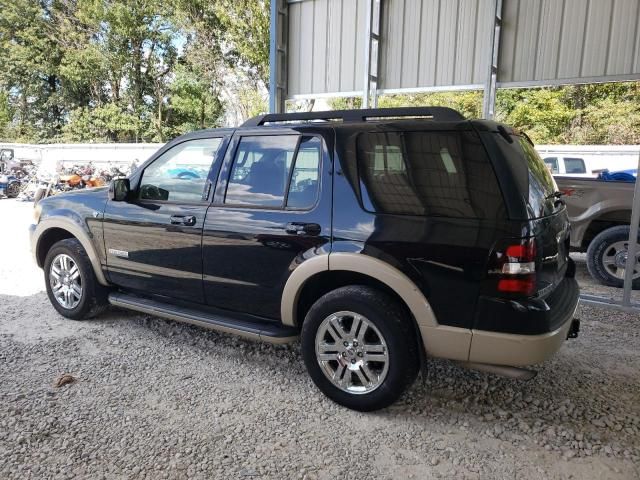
574 165
444 174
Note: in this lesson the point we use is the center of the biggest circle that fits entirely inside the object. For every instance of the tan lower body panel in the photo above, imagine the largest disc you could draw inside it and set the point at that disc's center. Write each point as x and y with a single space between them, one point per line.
446 342
516 350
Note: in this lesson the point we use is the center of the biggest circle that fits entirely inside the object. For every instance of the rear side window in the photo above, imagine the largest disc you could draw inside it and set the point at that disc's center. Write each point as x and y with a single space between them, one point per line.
574 165
275 171
444 174
541 183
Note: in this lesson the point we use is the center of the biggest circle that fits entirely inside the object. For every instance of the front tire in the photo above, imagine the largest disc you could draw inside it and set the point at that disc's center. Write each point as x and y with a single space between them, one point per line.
359 348
72 286
606 257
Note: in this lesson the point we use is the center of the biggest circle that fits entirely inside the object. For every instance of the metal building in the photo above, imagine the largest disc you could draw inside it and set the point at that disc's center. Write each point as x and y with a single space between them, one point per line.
329 48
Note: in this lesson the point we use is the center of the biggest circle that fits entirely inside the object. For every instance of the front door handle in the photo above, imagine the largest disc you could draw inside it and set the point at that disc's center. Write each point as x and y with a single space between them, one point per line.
299 228
188 220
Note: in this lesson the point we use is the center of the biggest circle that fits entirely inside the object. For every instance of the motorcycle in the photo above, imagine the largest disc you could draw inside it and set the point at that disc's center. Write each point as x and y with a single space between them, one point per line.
10 186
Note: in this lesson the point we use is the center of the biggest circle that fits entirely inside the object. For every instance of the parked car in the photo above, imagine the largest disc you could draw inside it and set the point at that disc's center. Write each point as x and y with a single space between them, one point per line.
600 213
380 240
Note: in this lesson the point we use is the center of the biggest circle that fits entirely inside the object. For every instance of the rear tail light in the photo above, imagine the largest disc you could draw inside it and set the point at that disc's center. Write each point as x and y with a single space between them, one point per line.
514 264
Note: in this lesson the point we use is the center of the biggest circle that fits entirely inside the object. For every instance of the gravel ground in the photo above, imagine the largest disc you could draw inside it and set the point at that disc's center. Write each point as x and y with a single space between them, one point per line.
157 399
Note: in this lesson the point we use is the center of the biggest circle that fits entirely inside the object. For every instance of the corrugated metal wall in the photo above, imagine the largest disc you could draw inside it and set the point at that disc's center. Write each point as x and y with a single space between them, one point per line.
558 40
445 43
429 43
326 46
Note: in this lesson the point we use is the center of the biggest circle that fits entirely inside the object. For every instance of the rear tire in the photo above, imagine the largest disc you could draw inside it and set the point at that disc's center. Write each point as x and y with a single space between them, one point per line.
360 348
605 257
72 286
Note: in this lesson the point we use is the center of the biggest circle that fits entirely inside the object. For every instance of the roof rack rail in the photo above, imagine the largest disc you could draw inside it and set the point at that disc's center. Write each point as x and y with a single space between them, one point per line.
362 115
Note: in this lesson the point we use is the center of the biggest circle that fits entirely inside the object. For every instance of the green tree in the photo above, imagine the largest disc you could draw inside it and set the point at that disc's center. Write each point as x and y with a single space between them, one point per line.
469 103
106 123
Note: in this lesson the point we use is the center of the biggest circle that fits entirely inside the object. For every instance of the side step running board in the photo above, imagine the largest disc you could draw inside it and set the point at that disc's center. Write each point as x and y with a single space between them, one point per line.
253 329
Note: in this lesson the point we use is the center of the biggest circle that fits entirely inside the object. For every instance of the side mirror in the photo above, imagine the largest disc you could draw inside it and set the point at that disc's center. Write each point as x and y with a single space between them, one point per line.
119 189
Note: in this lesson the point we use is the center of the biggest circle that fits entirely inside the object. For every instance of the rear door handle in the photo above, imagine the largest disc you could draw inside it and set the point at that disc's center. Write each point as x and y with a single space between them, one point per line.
299 228
188 220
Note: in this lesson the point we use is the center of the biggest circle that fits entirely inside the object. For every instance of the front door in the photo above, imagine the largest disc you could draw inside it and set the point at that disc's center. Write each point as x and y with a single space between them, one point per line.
274 212
153 241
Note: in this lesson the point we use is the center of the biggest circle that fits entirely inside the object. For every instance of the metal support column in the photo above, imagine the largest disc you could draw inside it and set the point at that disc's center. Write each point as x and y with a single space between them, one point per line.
489 100
632 258
371 54
278 56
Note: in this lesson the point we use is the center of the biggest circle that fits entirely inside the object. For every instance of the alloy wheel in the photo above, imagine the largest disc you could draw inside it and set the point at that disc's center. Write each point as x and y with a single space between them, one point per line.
65 281
352 352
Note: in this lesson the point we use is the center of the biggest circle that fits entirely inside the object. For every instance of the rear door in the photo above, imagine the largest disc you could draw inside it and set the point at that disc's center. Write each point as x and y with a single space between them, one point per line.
272 209
154 240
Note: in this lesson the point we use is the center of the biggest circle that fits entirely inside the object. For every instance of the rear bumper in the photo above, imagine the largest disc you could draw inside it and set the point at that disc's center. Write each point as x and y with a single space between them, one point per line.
516 350
530 316
521 349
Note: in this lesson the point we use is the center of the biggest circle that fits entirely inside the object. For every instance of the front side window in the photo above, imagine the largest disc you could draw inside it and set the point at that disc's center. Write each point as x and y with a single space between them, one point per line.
427 173
179 175
266 172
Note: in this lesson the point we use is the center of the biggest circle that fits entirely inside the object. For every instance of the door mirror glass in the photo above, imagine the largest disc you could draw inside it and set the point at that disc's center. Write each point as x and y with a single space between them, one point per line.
119 189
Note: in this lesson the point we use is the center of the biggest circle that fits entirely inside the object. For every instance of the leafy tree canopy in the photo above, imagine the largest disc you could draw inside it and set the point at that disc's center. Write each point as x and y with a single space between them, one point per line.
128 70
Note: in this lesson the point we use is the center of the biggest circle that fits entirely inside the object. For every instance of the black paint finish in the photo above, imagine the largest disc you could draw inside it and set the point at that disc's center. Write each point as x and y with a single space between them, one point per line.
249 252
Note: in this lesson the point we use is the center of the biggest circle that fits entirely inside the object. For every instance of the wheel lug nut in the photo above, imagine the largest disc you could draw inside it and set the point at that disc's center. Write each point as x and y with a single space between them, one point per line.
359 354
355 343
346 344
344 354
353 360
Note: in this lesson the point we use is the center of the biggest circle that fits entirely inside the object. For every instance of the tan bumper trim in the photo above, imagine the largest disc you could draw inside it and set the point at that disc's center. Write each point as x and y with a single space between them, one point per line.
516 350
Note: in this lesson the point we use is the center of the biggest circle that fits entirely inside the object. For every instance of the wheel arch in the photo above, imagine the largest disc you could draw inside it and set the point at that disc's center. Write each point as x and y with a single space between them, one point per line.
52 230
324 273
608 219
436 340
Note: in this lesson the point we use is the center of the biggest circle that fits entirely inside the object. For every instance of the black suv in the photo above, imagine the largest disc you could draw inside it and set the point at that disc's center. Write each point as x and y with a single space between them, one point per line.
379 237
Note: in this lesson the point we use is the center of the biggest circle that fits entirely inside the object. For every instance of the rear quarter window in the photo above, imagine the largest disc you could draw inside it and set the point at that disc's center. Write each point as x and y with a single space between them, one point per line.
441 174
574 165
541 182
